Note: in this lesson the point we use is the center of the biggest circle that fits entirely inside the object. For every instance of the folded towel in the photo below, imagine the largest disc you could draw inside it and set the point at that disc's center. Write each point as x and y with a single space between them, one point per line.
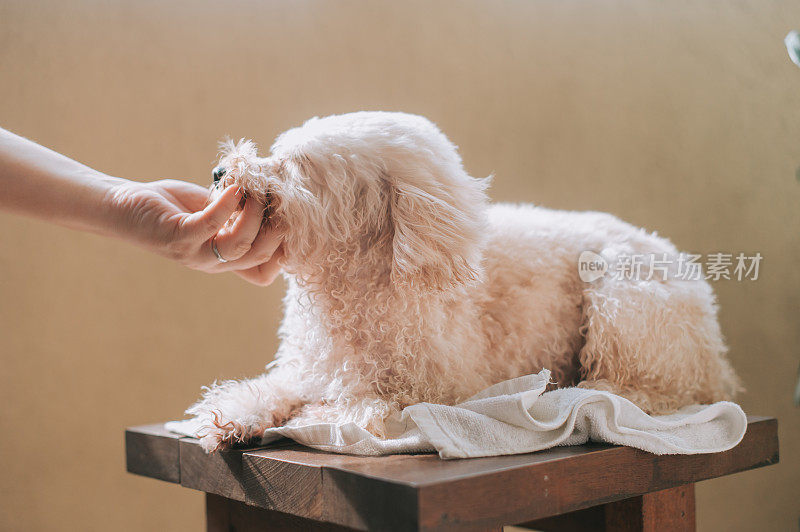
518 416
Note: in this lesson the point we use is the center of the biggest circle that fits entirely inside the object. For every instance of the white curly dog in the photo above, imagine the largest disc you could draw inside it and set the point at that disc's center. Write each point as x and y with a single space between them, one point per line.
406 286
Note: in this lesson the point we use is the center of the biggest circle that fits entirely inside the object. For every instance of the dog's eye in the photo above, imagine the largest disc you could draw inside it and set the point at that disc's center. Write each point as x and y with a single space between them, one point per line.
218 173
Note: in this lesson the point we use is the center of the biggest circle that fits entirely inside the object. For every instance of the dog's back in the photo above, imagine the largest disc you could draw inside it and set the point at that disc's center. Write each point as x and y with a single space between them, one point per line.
638 335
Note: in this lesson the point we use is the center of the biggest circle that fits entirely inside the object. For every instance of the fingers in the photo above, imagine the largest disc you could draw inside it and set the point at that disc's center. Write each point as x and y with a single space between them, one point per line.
263 274
208 222
236 241
261 251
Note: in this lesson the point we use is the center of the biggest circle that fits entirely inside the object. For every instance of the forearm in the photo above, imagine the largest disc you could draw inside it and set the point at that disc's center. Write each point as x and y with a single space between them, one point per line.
41 183
173 218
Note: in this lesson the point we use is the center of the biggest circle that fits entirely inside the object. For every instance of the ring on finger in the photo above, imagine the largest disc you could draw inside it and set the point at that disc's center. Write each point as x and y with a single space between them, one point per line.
216 250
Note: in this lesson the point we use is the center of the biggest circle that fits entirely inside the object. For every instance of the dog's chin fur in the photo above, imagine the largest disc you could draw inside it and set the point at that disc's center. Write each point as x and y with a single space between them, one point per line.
405 286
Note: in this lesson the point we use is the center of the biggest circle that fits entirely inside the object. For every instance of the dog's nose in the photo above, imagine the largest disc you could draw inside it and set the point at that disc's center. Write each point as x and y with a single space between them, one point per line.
218 173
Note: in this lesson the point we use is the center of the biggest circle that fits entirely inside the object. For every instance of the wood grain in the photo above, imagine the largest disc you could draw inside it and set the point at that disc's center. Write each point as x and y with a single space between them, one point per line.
672 509
595 477
423 492
226 515
243 475
152 451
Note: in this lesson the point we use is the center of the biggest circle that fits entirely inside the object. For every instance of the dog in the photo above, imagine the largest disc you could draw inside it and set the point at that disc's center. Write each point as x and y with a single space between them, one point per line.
405 286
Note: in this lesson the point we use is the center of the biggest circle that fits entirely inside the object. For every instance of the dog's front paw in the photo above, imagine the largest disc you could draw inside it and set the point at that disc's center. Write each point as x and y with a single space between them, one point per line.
220 434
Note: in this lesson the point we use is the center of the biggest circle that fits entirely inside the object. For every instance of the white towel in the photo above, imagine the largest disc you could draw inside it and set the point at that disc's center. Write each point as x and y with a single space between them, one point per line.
517 416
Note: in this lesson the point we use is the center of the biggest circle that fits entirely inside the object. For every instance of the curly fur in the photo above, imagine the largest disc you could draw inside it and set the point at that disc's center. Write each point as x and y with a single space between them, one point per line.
405 286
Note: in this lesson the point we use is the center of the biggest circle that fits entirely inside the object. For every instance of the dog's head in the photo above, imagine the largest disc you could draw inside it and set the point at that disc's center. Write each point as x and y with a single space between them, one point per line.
385 188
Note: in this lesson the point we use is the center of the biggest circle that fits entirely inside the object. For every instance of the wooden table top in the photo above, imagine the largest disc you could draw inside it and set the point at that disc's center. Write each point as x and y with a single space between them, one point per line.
424 492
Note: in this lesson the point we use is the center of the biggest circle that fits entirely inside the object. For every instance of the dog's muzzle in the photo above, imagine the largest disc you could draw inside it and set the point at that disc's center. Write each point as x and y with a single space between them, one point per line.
218 173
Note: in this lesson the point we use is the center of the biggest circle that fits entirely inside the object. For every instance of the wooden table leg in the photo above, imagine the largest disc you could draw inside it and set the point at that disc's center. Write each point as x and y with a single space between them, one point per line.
217 515
226 515
671 509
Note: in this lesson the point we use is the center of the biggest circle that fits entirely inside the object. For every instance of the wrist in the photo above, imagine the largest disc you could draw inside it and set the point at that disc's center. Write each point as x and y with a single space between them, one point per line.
116 204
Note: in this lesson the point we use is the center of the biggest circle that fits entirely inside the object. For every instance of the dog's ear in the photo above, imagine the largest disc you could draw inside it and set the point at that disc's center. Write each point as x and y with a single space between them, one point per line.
438 227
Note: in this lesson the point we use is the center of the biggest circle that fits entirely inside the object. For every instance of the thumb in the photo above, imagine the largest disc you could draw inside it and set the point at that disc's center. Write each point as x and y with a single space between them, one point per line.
206 223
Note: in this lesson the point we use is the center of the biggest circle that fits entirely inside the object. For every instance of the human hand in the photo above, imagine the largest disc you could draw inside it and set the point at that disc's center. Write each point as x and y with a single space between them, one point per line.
171 218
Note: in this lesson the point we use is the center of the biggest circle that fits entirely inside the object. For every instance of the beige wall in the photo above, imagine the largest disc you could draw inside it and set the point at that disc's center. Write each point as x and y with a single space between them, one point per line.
679 116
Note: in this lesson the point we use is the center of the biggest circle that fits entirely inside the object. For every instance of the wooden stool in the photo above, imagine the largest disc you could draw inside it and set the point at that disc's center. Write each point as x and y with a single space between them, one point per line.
286 486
